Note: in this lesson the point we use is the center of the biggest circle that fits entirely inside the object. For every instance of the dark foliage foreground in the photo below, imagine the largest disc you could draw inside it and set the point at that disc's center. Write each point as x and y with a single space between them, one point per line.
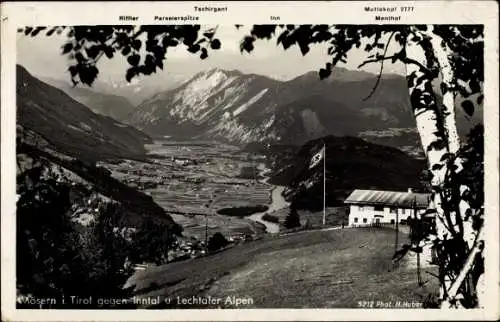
73 250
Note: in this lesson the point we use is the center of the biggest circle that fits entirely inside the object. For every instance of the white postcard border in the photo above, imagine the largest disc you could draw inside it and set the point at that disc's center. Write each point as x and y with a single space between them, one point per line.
14 15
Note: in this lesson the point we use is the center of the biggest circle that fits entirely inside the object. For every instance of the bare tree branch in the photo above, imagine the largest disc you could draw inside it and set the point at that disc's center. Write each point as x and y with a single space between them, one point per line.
376 60
478 248
411 61
399 57
381 67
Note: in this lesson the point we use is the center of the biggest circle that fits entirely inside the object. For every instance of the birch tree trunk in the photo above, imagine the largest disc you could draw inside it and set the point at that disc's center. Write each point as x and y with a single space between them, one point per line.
462 224
440 140
432 136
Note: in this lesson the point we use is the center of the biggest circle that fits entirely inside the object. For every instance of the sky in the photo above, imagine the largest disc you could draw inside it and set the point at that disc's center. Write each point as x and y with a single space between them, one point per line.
41 57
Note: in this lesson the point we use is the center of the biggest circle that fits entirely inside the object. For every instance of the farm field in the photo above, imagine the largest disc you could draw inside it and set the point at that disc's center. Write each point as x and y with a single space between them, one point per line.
311 269
183 176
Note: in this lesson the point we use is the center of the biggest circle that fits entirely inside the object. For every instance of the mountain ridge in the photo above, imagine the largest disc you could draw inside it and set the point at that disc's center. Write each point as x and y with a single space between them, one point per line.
71 126
241 108
222 104
115 106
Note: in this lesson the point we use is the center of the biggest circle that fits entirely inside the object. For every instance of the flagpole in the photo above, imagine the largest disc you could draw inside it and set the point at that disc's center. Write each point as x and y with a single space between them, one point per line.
324 184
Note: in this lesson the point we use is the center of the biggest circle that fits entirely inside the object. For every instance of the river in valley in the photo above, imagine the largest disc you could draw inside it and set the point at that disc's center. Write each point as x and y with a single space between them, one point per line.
278 202
182 176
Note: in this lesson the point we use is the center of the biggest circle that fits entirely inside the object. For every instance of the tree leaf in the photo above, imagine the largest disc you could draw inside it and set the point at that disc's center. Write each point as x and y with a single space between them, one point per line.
149 61
480 99
215 44
28 30
126 50
73 71
190 37
136 44
92 51
194 48
133 60
209 34
324 73
79 58
475 86
437 145
447 156
204 53
159 63
304 48
37 31
51 32
131 73
468 107
444 87
109 52
67 47
88 74
247 44
169 42
436 167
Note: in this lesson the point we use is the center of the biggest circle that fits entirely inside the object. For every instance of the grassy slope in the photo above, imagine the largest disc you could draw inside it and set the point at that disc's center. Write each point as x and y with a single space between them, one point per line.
295 271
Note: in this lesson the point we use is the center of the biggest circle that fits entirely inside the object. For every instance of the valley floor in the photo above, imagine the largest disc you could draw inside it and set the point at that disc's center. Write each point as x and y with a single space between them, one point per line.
315 269
211 172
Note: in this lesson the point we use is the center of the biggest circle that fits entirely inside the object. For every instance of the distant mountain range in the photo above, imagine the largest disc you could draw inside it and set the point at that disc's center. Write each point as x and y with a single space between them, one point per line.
243 108
115 106
134 92
70 126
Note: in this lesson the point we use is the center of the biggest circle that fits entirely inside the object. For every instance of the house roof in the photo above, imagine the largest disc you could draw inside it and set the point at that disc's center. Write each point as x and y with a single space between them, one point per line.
389 198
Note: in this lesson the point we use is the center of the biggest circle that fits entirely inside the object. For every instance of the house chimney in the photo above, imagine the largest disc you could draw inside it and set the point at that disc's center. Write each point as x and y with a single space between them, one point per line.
410 190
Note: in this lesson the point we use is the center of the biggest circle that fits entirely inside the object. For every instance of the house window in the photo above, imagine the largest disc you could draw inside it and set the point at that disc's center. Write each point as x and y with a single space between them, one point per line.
355 219
403 211
394 210
378 208
364 220
392 221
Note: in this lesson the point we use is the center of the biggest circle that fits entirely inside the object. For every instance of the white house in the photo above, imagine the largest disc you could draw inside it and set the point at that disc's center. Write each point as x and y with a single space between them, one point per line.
367 207
180 161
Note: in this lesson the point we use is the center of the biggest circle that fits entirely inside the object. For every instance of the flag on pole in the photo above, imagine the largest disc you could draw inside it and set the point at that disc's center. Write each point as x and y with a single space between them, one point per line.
315 160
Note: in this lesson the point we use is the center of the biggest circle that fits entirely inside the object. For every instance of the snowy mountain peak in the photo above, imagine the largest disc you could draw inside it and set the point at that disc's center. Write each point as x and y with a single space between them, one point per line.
230 105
